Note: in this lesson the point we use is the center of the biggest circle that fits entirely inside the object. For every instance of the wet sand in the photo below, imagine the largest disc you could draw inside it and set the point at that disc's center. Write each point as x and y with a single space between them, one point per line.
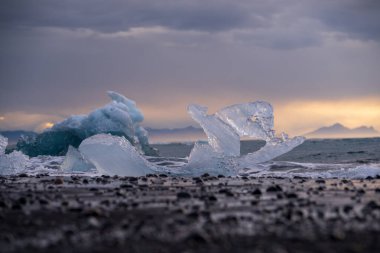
206 214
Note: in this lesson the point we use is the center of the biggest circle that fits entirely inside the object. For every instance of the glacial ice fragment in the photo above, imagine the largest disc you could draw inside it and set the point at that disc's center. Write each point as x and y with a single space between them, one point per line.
114 155
13 163
3 144
75 162
121 117
226 126
203 159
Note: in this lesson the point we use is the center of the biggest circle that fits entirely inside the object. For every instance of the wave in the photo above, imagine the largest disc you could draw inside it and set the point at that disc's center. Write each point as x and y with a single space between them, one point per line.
314 170
283 169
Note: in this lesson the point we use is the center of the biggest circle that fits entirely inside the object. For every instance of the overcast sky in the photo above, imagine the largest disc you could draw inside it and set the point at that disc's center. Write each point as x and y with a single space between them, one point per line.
317 61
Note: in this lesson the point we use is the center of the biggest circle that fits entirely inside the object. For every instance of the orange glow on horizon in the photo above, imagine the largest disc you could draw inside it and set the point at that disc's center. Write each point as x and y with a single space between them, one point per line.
301 117
48 125
296 117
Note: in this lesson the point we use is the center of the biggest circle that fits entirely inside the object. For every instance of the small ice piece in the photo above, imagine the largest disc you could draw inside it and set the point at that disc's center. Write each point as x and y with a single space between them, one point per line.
115 155
360 171
3 144
221 137
203 159
13 163
75 162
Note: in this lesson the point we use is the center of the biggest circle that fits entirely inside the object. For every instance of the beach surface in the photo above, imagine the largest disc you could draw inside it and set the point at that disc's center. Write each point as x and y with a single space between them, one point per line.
157 213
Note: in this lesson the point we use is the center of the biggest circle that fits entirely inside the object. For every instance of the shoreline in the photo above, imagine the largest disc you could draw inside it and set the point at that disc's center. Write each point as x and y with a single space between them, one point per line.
157 213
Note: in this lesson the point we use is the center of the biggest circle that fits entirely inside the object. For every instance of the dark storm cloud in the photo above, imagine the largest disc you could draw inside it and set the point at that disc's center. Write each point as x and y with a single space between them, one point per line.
59 57
271 22
119 15
358 19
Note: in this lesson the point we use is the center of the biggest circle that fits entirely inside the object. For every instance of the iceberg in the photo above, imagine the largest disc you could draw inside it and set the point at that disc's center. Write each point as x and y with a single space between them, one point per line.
120 117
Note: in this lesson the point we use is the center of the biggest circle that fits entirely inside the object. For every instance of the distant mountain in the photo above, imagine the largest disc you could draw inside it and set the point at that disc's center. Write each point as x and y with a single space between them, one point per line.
13 136
339 131
189 133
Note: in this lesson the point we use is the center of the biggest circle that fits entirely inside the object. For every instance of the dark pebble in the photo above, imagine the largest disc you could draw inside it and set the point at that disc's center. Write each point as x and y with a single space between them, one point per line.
43 202
22 201
226 192
183 195
195 238
275 188
257 192
361 191
58 181
212 198
125 186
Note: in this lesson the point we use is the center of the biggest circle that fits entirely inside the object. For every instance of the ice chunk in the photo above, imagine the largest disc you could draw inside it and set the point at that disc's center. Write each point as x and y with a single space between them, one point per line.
203 159
13 163
221 137
360 171
3 144
114 155
121 117
75 162
255 119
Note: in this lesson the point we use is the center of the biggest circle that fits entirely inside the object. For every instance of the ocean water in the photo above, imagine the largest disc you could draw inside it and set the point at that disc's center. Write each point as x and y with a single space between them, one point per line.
342 158
324 158
364 150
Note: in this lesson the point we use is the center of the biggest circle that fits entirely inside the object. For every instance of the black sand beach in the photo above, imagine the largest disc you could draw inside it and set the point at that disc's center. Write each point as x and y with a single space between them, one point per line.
207 214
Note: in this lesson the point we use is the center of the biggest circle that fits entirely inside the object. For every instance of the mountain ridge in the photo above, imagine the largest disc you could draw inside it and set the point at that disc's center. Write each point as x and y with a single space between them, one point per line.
338 130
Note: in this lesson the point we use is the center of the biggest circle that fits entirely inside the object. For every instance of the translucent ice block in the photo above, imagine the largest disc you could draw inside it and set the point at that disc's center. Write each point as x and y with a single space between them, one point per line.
114 155
75 162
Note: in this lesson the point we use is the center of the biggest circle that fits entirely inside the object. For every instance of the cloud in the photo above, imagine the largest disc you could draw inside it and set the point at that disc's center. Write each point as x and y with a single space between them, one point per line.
120 15
276 24
357 19
59 57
